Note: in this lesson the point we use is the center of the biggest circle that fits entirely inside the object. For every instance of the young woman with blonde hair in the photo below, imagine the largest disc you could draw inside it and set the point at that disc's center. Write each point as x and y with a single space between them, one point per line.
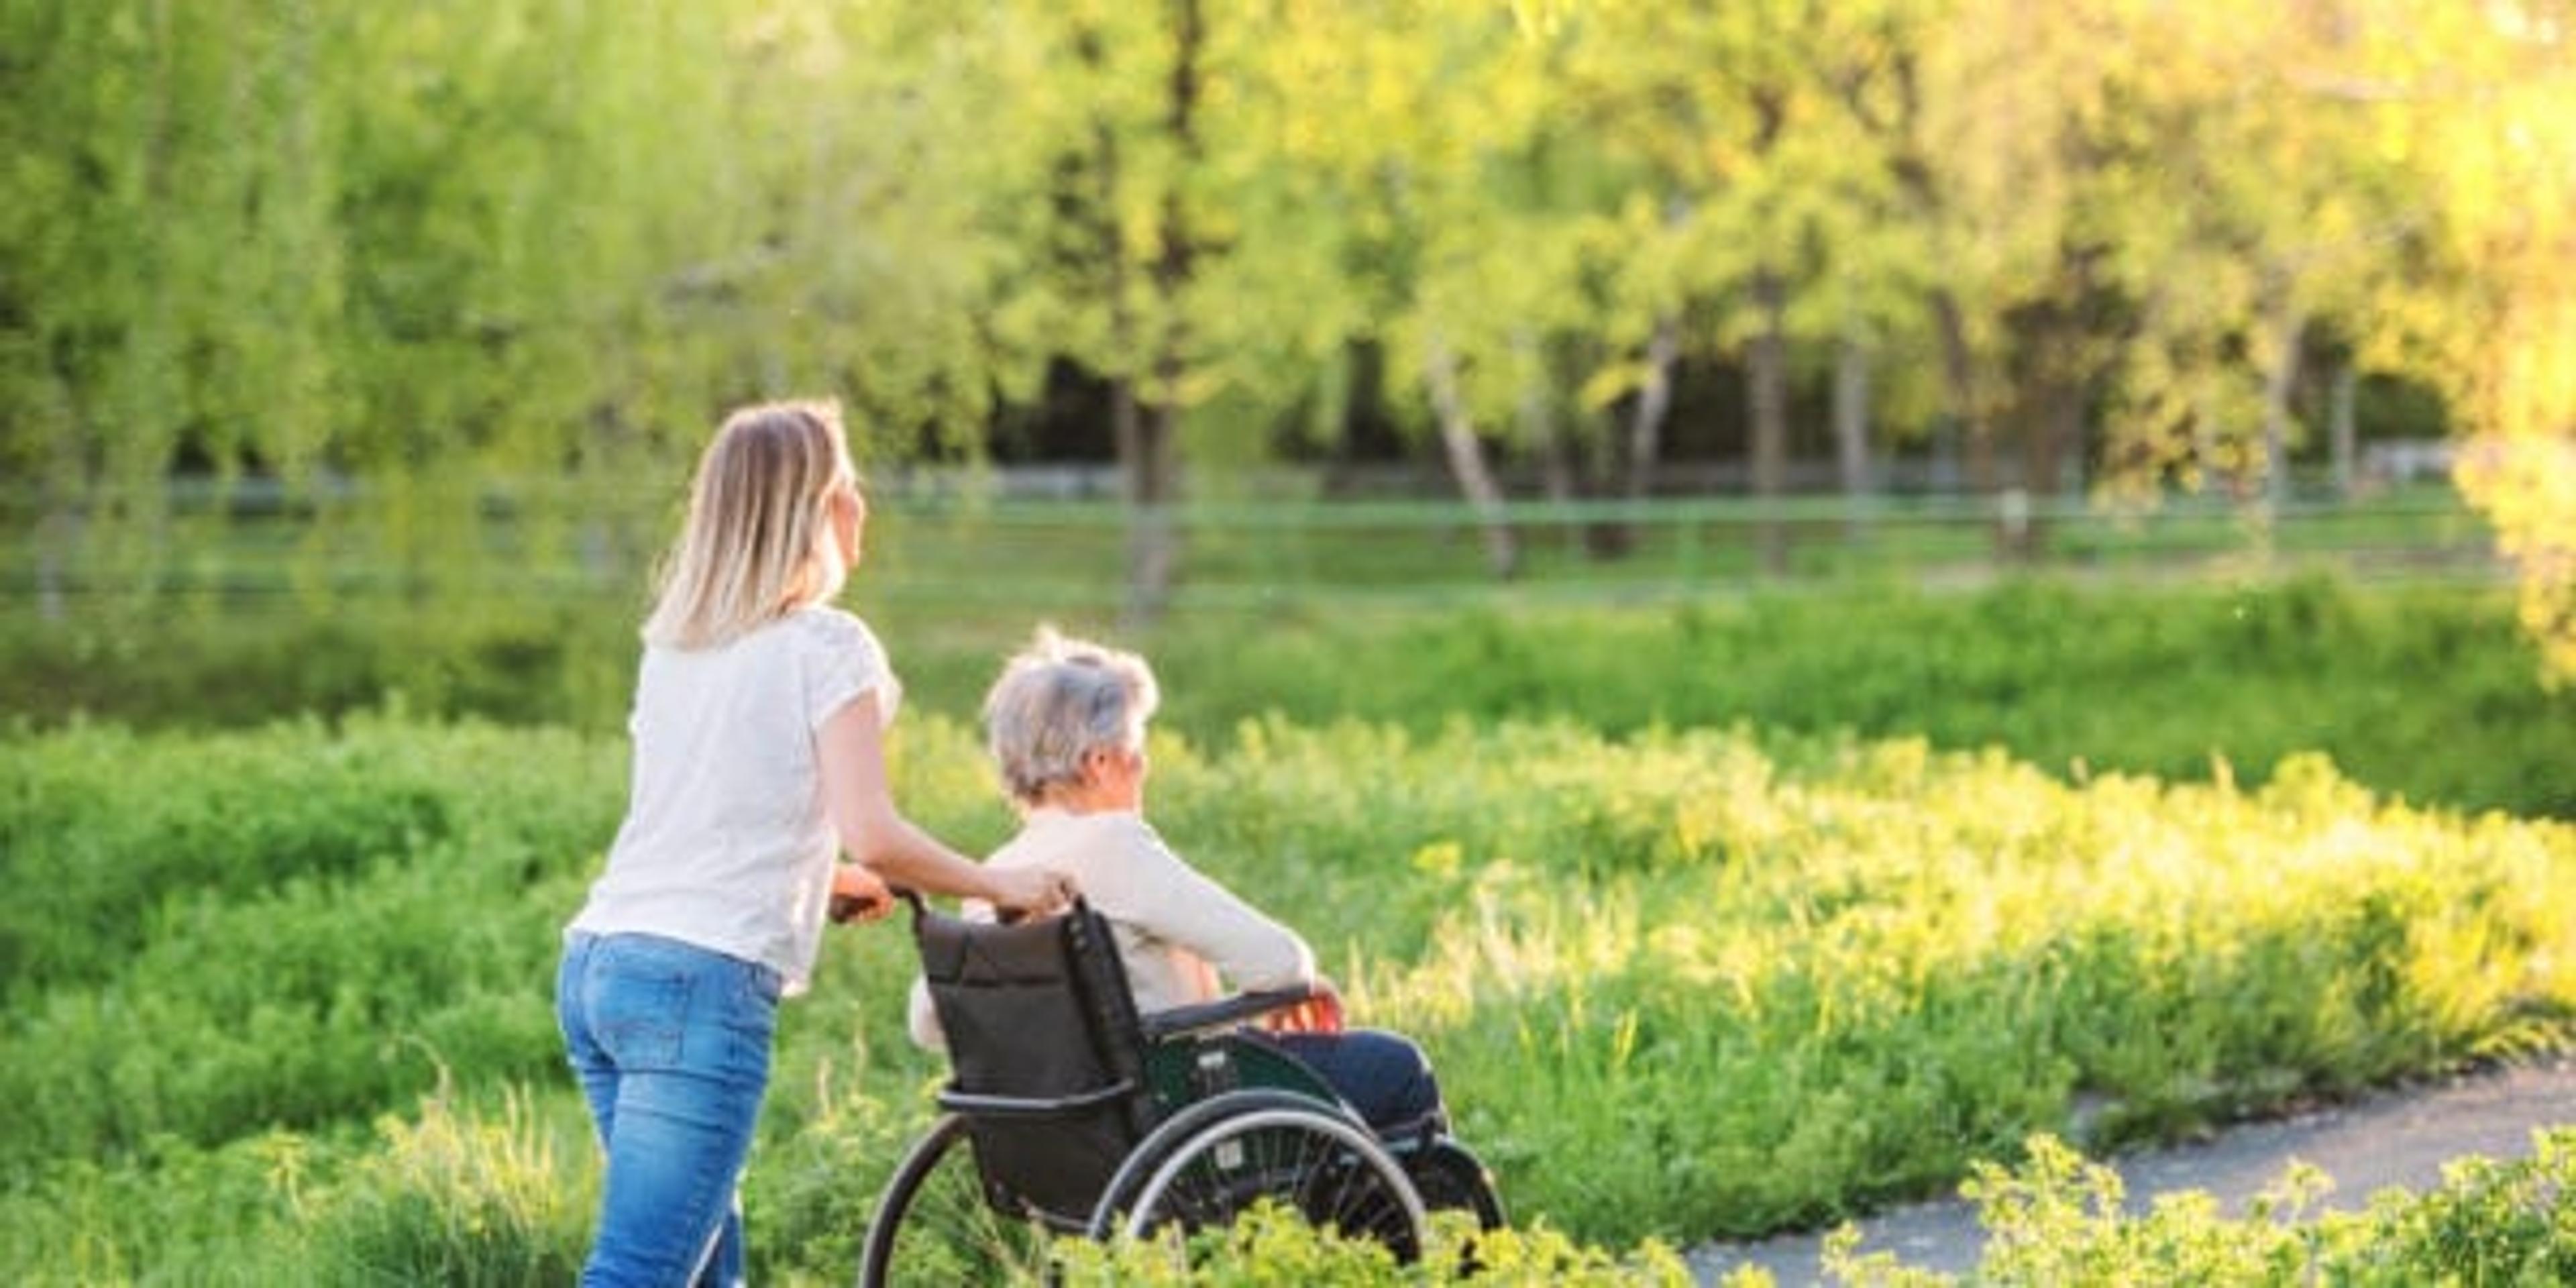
758 728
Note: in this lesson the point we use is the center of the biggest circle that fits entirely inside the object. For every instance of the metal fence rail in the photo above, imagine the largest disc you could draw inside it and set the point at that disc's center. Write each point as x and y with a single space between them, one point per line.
254 551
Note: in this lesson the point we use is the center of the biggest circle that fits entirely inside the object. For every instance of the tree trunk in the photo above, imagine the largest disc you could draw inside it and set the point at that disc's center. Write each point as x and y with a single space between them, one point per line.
1644 449
1153 467
1851 430
1767 393
1539 428
2342 429
2053 426
1654 405
1466 455
57 537
1967 401
2289 326
1153 538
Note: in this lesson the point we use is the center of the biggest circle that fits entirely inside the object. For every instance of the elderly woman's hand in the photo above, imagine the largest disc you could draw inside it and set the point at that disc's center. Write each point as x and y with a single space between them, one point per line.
1319 1013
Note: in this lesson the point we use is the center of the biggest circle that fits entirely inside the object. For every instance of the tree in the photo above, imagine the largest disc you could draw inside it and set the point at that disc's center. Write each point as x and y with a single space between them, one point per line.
2282 216
2491 119
166 263
1740 120
1107 120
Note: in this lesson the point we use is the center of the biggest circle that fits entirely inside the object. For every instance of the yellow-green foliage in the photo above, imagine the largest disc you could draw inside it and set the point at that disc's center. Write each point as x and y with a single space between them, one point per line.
2059 1221
1272 1247
450 1197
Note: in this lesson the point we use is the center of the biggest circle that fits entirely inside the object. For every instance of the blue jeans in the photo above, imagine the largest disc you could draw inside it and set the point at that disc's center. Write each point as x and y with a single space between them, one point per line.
1382 1075
671 1043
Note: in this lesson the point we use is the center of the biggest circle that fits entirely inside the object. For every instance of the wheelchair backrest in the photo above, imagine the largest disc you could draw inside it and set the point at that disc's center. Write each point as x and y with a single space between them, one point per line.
1045 1053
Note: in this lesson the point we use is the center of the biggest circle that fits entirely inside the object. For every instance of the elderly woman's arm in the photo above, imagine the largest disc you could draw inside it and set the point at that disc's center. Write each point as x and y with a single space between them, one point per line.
1158 892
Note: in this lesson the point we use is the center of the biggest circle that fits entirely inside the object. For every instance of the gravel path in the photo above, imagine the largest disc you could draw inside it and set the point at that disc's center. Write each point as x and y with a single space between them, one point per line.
2396 1139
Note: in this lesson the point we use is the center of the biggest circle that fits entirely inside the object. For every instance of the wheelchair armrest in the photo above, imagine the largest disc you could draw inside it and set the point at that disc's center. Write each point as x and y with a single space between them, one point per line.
973 1105
1223 1012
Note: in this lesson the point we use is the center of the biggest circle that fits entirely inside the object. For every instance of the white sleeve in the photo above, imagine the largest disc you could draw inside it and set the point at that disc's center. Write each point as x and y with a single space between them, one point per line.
1156 891
843 661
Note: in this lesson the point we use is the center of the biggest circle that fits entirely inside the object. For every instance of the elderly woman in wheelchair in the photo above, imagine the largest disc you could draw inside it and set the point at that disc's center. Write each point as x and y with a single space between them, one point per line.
1102 1084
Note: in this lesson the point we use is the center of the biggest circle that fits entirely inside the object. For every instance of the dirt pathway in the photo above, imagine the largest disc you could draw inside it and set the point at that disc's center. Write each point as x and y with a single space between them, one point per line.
2394 1139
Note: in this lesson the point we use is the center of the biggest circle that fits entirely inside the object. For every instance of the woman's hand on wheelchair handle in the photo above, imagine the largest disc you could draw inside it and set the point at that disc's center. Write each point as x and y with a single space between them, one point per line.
858 895
1028 892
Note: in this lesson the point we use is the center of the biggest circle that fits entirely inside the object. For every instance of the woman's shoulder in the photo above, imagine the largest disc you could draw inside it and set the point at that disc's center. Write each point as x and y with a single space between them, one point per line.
827 627
828 619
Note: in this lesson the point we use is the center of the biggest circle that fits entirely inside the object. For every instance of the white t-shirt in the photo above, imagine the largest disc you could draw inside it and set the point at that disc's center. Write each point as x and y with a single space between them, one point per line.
726 844
1178 932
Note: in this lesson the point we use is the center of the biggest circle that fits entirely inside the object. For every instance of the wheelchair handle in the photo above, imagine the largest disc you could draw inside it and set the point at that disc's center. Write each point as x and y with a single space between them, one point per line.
843 907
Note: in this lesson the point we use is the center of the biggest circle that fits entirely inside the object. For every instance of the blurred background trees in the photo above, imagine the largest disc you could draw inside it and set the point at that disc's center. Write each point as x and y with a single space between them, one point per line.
325 251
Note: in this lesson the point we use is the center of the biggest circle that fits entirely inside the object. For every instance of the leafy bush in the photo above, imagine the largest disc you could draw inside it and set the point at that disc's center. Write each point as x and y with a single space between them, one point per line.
175 1214
283 927
454 1199
1272 1247
2059 1221
110 839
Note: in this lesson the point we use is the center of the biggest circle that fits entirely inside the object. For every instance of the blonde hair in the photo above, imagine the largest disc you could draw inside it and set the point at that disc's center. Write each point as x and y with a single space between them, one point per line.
756 544
1057 701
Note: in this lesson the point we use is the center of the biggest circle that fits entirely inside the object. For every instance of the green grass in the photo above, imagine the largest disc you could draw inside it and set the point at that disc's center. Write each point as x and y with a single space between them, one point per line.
1681 984
1724 907
2428 692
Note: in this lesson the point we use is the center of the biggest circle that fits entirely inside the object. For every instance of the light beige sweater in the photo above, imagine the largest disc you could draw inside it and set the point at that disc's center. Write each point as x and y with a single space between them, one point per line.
1178 932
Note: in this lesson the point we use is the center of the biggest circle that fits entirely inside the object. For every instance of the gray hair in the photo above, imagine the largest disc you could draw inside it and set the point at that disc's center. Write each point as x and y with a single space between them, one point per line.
1059 700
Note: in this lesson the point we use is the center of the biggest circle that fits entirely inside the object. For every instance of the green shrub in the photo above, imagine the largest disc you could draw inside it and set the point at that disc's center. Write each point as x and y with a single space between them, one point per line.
1272 1247
176 1215
111 839
2059 1221
282 927
450 1198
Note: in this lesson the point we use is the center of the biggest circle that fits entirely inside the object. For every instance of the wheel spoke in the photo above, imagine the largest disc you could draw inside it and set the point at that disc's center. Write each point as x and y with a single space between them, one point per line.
946 1233
1328 1171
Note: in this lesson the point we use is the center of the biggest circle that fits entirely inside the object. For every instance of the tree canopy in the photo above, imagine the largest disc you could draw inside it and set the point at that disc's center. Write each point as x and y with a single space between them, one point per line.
2098 240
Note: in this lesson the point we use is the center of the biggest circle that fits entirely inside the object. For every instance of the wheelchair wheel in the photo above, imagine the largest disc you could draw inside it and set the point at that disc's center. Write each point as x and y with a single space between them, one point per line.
1449 1177
1210 1163
934 1227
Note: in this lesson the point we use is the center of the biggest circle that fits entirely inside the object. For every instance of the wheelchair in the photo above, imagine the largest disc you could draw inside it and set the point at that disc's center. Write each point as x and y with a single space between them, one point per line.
1068 1112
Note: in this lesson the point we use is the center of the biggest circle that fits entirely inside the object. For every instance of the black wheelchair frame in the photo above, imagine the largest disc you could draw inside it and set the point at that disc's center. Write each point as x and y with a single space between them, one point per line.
1068 1112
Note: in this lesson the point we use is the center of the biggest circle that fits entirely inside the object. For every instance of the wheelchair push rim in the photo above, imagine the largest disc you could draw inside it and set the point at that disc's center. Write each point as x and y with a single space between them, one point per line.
1207 1165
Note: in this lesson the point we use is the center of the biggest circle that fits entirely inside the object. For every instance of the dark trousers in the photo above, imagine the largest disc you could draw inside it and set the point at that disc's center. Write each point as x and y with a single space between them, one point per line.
1382 1075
